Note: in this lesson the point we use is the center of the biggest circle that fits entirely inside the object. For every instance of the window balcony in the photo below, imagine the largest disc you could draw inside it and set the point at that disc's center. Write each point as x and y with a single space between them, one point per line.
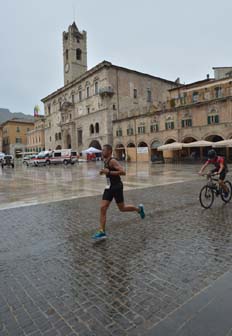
106 91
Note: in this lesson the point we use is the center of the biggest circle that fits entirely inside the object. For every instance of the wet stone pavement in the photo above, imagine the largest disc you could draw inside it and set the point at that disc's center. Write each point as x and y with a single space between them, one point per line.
55 281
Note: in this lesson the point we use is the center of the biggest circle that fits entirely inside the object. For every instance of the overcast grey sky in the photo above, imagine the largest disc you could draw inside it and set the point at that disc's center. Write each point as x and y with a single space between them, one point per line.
166 38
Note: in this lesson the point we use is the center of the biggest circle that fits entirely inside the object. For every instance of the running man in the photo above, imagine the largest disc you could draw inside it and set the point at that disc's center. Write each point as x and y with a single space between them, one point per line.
220 168
113 190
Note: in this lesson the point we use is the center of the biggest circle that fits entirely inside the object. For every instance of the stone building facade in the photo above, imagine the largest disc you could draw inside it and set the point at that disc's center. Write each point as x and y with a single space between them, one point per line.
81 113
14 134
36 137
201 110
1 139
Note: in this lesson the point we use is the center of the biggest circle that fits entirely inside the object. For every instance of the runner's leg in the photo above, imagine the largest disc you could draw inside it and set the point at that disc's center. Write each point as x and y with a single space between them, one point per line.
103 210
127 208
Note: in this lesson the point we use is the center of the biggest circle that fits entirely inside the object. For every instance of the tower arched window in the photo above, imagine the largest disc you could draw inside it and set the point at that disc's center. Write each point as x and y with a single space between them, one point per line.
91 129
78 54
97 127
66 54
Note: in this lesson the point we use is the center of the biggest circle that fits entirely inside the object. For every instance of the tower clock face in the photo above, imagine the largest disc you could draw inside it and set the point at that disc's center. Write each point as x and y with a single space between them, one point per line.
66 68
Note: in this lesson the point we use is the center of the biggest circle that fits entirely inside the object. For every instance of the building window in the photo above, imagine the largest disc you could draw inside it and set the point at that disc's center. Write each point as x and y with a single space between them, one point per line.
60 136
195 97
183 99
73 99
149 97
79 137
70 116
218 92
50 139
96 89
91 129
97 128
78 54
17 129
213 119
135 94
88 110
18 140
28 129
169 125
60 105
119 132
87 92
130 131
114 107
66 54
186 123
154 128
56 136
80 95
141 129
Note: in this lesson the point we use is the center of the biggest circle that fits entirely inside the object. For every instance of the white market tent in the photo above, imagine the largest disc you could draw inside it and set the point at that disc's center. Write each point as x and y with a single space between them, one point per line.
171 146
91 150
223 143
200 143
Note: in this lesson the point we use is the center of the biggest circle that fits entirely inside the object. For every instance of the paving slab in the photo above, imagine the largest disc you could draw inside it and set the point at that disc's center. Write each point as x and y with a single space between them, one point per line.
55 280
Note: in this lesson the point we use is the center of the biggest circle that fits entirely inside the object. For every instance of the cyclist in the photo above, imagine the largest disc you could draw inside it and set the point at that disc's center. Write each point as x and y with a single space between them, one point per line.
220 168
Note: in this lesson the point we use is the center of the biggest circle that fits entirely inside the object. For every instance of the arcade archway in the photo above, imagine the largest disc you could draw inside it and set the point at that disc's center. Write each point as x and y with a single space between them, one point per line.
155 154
95 144
120 152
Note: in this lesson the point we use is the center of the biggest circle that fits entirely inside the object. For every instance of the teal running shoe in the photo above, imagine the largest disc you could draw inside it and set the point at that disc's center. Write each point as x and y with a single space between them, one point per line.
141 211
99 235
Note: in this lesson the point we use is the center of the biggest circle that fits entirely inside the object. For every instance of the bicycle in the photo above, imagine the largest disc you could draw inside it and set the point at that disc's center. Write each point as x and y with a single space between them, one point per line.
212 189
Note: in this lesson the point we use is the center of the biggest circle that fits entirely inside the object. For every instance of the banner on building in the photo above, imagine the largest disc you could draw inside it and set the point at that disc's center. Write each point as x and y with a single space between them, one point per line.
142 150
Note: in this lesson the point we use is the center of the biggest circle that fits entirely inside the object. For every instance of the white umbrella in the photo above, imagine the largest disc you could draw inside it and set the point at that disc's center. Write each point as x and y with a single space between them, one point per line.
171 146
200 143
223 143
91 150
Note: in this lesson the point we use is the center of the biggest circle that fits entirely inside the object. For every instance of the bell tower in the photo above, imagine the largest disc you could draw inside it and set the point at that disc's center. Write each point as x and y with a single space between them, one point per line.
74 53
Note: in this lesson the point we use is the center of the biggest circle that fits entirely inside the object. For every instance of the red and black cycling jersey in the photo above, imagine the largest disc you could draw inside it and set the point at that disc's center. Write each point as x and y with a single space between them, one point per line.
217 161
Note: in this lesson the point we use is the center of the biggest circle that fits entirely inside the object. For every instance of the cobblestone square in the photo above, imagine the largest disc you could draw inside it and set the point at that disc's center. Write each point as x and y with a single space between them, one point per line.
55 281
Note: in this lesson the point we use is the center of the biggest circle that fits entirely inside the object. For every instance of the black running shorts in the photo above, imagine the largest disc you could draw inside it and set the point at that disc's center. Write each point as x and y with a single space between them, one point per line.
114 192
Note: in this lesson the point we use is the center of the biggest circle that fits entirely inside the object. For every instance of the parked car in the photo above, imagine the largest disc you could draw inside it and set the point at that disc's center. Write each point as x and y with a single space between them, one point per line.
7 161
1 156
27 159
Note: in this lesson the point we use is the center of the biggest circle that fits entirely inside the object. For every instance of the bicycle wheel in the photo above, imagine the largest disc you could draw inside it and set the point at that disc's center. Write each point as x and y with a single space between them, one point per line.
229 196
206 197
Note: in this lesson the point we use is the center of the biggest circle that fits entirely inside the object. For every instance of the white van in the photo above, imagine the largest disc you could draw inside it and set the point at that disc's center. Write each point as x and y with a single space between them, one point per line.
43 158
64 156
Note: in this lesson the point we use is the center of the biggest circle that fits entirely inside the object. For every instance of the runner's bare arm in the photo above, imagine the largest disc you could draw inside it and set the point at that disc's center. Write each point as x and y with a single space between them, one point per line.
119 169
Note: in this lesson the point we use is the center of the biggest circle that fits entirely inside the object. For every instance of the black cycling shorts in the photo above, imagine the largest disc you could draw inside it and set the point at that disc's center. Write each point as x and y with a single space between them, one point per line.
114 192
222 175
